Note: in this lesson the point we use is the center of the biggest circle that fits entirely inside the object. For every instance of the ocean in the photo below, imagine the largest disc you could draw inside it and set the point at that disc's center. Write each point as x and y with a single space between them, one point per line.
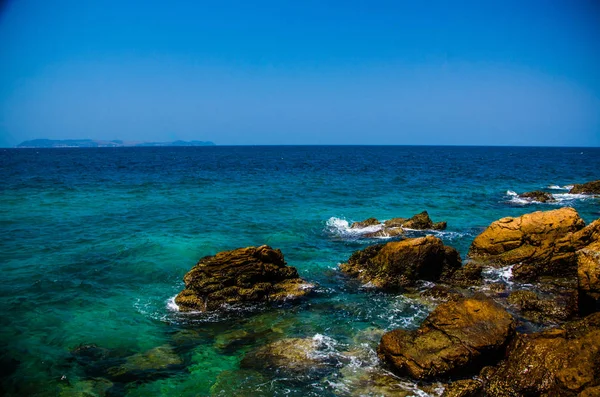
95 243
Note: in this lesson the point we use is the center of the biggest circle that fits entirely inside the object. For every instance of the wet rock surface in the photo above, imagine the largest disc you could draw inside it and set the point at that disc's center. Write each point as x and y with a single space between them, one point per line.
243 275
539 196
290 355
558 362
457 338
464 388
396 265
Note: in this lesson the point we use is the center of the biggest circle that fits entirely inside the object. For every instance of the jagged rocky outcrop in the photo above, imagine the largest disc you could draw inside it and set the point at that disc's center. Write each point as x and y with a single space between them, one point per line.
539 196
243 275
395 226
464 388
592 187
558 362
399 264
457 338
588 276
538 244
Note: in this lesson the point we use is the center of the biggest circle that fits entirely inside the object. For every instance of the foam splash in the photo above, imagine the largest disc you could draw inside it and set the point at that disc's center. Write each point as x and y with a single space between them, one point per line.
557 187
561 198
341 227
171 305
498 275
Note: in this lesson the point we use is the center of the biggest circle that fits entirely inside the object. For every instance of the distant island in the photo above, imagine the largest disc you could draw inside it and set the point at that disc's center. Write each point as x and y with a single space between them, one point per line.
89 143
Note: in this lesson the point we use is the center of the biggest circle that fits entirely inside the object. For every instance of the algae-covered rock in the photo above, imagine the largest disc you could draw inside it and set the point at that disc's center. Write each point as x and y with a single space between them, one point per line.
466 276
540 309
153 360
538 244
464 388
588 276
243 275
592 187
539 196
457 338
399 264
242 383
89 387
558 362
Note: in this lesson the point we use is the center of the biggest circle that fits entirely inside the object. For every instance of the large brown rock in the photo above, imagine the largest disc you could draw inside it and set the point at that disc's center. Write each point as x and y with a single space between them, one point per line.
559 362
538 244
592 187
399 264
457 338
253 274
544 308
588 276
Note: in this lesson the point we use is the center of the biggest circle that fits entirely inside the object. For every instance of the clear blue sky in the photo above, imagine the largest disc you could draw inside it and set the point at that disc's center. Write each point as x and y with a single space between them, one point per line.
302 72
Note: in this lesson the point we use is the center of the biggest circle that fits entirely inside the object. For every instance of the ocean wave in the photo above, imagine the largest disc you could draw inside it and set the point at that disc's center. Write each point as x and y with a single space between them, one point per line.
560 198
557 187
341 228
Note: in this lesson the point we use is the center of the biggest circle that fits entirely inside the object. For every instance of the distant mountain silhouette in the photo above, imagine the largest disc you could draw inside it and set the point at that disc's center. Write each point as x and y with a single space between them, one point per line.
61 143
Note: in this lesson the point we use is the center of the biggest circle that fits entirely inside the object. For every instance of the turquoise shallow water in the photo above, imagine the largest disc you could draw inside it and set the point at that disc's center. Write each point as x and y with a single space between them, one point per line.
95 243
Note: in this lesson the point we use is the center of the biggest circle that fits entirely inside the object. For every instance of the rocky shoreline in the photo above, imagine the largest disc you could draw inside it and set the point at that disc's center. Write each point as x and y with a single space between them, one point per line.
538 335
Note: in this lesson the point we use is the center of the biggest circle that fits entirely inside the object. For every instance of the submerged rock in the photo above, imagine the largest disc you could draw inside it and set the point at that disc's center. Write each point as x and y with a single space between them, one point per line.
243 275
588 275
538 244
592 187
558 362
399 264
457 338
153 360
539 196
290 355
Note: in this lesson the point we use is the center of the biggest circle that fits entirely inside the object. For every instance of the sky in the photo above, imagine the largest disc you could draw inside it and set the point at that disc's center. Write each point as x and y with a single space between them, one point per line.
302 72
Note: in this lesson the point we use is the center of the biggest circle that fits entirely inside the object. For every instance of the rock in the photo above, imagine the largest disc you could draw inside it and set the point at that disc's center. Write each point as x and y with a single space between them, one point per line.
586 188
542 310
399 264
466 276
558 362
89 387
464 388
239 383
385 232
538 244
442 293
290 355
457 338
253 274
395 222
539 196
365 223
156 359
422 221
588 276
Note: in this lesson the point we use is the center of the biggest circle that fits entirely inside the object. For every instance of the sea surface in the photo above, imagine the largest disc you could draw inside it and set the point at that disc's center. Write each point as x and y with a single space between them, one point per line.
94 244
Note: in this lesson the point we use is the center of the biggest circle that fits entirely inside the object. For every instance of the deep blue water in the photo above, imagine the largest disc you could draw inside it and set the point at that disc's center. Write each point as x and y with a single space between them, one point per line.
95 242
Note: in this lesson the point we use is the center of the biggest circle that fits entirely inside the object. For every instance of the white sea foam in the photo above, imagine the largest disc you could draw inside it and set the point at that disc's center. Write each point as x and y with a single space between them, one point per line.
511 193
341 227
557 187
171 305
496 275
